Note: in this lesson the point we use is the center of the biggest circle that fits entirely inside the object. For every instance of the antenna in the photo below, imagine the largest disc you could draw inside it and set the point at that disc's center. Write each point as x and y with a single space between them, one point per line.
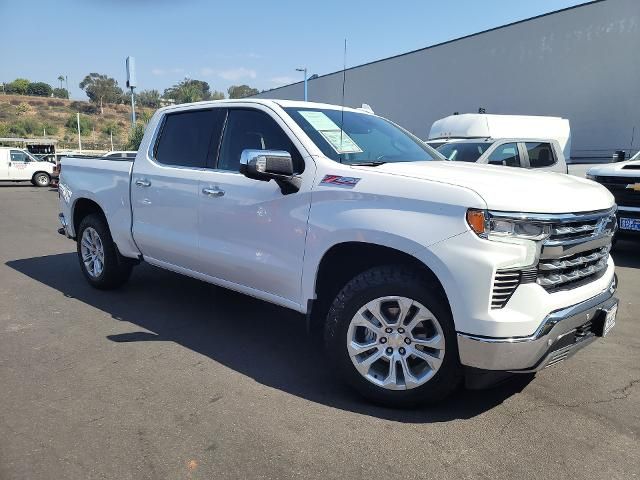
344 80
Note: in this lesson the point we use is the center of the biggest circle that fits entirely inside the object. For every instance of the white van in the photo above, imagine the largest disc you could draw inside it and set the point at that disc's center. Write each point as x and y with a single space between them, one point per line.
496 127
19 165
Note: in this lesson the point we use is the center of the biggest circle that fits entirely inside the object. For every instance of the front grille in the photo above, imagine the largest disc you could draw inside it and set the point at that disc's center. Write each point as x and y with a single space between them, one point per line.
618 187
577 250
572 269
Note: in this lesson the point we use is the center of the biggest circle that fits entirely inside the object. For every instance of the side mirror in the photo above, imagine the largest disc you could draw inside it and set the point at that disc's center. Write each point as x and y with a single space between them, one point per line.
268 165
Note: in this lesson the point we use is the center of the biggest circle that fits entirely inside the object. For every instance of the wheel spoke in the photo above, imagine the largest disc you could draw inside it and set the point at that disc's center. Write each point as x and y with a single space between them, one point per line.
409 379
392 378
433 361
374 309
364 365
421 315
356 348
436 342
405 306
361 320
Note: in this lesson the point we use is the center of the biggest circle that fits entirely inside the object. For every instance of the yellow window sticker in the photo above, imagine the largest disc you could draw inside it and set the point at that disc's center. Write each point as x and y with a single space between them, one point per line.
339 140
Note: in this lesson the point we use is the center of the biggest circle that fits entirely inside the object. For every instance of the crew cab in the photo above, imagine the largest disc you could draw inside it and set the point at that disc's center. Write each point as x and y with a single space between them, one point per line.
540 154
18 165
623 181
417 272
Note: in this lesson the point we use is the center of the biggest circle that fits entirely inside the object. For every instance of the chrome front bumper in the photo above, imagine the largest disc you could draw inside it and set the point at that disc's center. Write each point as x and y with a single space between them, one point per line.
560 335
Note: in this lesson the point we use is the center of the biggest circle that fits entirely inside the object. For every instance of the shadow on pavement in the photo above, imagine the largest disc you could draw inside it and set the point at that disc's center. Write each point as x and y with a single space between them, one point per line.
257 339
627 253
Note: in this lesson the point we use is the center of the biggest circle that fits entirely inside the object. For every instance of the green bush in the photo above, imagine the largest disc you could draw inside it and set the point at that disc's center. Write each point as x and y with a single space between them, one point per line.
60 93
135 137
85 124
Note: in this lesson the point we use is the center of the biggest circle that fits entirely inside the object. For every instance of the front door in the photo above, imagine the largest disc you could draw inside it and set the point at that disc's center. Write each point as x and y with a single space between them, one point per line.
165 187
19 165
251 234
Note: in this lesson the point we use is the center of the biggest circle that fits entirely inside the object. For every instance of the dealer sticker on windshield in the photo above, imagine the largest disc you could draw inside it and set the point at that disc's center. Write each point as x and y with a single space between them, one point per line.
339 140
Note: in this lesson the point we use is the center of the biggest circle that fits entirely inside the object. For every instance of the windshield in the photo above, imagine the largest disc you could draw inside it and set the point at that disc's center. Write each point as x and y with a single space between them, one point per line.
464 151
364 138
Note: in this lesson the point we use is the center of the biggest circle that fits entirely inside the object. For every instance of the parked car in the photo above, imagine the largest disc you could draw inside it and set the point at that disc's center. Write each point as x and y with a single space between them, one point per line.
480 126
18 165
417 272
623 181
540 154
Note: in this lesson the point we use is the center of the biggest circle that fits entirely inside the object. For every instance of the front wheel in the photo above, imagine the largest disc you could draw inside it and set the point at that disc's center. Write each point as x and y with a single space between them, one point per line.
390 334
100 261
41 179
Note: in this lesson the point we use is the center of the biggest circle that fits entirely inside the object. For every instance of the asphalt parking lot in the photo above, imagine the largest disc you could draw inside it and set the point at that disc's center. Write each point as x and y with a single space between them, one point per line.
173 378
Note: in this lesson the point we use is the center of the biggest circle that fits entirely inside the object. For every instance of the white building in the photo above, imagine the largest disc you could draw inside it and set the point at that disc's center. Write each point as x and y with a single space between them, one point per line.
581 63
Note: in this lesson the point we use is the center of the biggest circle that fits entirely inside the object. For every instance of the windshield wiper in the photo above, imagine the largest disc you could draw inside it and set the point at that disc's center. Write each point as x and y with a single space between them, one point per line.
369 164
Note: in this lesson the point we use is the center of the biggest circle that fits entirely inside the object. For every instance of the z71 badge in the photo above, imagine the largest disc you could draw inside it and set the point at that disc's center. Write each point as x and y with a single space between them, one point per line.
338 181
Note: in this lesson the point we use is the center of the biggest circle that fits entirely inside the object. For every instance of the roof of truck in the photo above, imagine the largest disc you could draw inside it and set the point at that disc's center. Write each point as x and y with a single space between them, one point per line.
266 102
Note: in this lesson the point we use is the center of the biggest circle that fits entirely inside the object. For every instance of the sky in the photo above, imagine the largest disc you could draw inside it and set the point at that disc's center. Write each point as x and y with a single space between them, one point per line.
259 43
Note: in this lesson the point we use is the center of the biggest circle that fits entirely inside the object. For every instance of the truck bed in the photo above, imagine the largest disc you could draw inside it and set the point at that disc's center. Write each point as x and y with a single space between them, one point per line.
105 181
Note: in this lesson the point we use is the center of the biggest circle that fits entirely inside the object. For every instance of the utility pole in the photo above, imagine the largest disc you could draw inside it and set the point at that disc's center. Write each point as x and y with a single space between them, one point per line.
131 83
305 81
79 138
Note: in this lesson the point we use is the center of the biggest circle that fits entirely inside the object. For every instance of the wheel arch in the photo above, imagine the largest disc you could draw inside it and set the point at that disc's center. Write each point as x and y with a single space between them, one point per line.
343 261
83 207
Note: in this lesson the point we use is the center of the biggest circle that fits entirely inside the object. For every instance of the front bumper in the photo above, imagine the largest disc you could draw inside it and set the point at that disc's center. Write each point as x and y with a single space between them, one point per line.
64 229
560 335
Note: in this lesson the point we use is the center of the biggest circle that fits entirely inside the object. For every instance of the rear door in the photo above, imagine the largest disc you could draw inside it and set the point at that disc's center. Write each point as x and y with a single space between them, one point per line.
542 156
251 234
4 164
165 187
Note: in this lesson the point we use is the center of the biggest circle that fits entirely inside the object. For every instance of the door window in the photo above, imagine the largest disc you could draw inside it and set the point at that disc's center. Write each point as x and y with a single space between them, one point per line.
253 129
506 154
190 139
540 154
18 156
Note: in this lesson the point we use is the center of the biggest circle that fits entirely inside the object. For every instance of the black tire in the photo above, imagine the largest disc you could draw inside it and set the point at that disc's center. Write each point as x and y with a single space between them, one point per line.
116 269
387 281
41 179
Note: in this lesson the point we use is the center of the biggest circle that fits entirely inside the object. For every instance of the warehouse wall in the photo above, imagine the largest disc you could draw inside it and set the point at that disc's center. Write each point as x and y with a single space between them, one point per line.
582 64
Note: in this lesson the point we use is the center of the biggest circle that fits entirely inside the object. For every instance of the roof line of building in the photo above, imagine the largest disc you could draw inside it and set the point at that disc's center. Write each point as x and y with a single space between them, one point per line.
465 37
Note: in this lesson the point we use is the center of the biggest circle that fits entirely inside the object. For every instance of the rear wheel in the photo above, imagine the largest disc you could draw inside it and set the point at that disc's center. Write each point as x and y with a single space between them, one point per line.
41 179
100 261
391 336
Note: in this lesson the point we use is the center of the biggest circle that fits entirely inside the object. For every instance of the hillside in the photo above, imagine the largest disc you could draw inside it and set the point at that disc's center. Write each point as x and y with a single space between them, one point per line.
26 116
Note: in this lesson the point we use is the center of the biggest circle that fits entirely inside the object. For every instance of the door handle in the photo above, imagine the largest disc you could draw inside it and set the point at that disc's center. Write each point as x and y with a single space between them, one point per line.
213 192
143 183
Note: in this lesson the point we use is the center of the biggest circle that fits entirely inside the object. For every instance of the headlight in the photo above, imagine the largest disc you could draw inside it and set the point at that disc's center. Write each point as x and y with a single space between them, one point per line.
503 228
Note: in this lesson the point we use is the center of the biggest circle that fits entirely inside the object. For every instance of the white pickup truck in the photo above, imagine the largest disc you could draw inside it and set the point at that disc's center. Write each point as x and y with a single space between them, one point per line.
419 272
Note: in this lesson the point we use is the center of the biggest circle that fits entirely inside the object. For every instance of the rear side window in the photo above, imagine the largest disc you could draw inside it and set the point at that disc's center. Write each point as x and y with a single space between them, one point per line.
540 154
506 154
190 139
255 130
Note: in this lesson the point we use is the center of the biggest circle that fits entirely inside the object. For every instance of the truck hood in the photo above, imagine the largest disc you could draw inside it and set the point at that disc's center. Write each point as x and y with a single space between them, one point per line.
508 188
630 168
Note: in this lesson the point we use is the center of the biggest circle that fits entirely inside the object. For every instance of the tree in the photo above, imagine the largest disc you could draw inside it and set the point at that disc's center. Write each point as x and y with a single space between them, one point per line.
85 124
189 91
60 93
61 79
111 128
241 91
149 98
19 86
39 89
101 89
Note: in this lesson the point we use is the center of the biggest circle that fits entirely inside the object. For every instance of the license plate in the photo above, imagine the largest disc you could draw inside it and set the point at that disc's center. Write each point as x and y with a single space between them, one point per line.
610 320
632 224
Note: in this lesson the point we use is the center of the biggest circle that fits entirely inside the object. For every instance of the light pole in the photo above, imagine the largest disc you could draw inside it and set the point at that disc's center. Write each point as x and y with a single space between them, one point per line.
305 80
